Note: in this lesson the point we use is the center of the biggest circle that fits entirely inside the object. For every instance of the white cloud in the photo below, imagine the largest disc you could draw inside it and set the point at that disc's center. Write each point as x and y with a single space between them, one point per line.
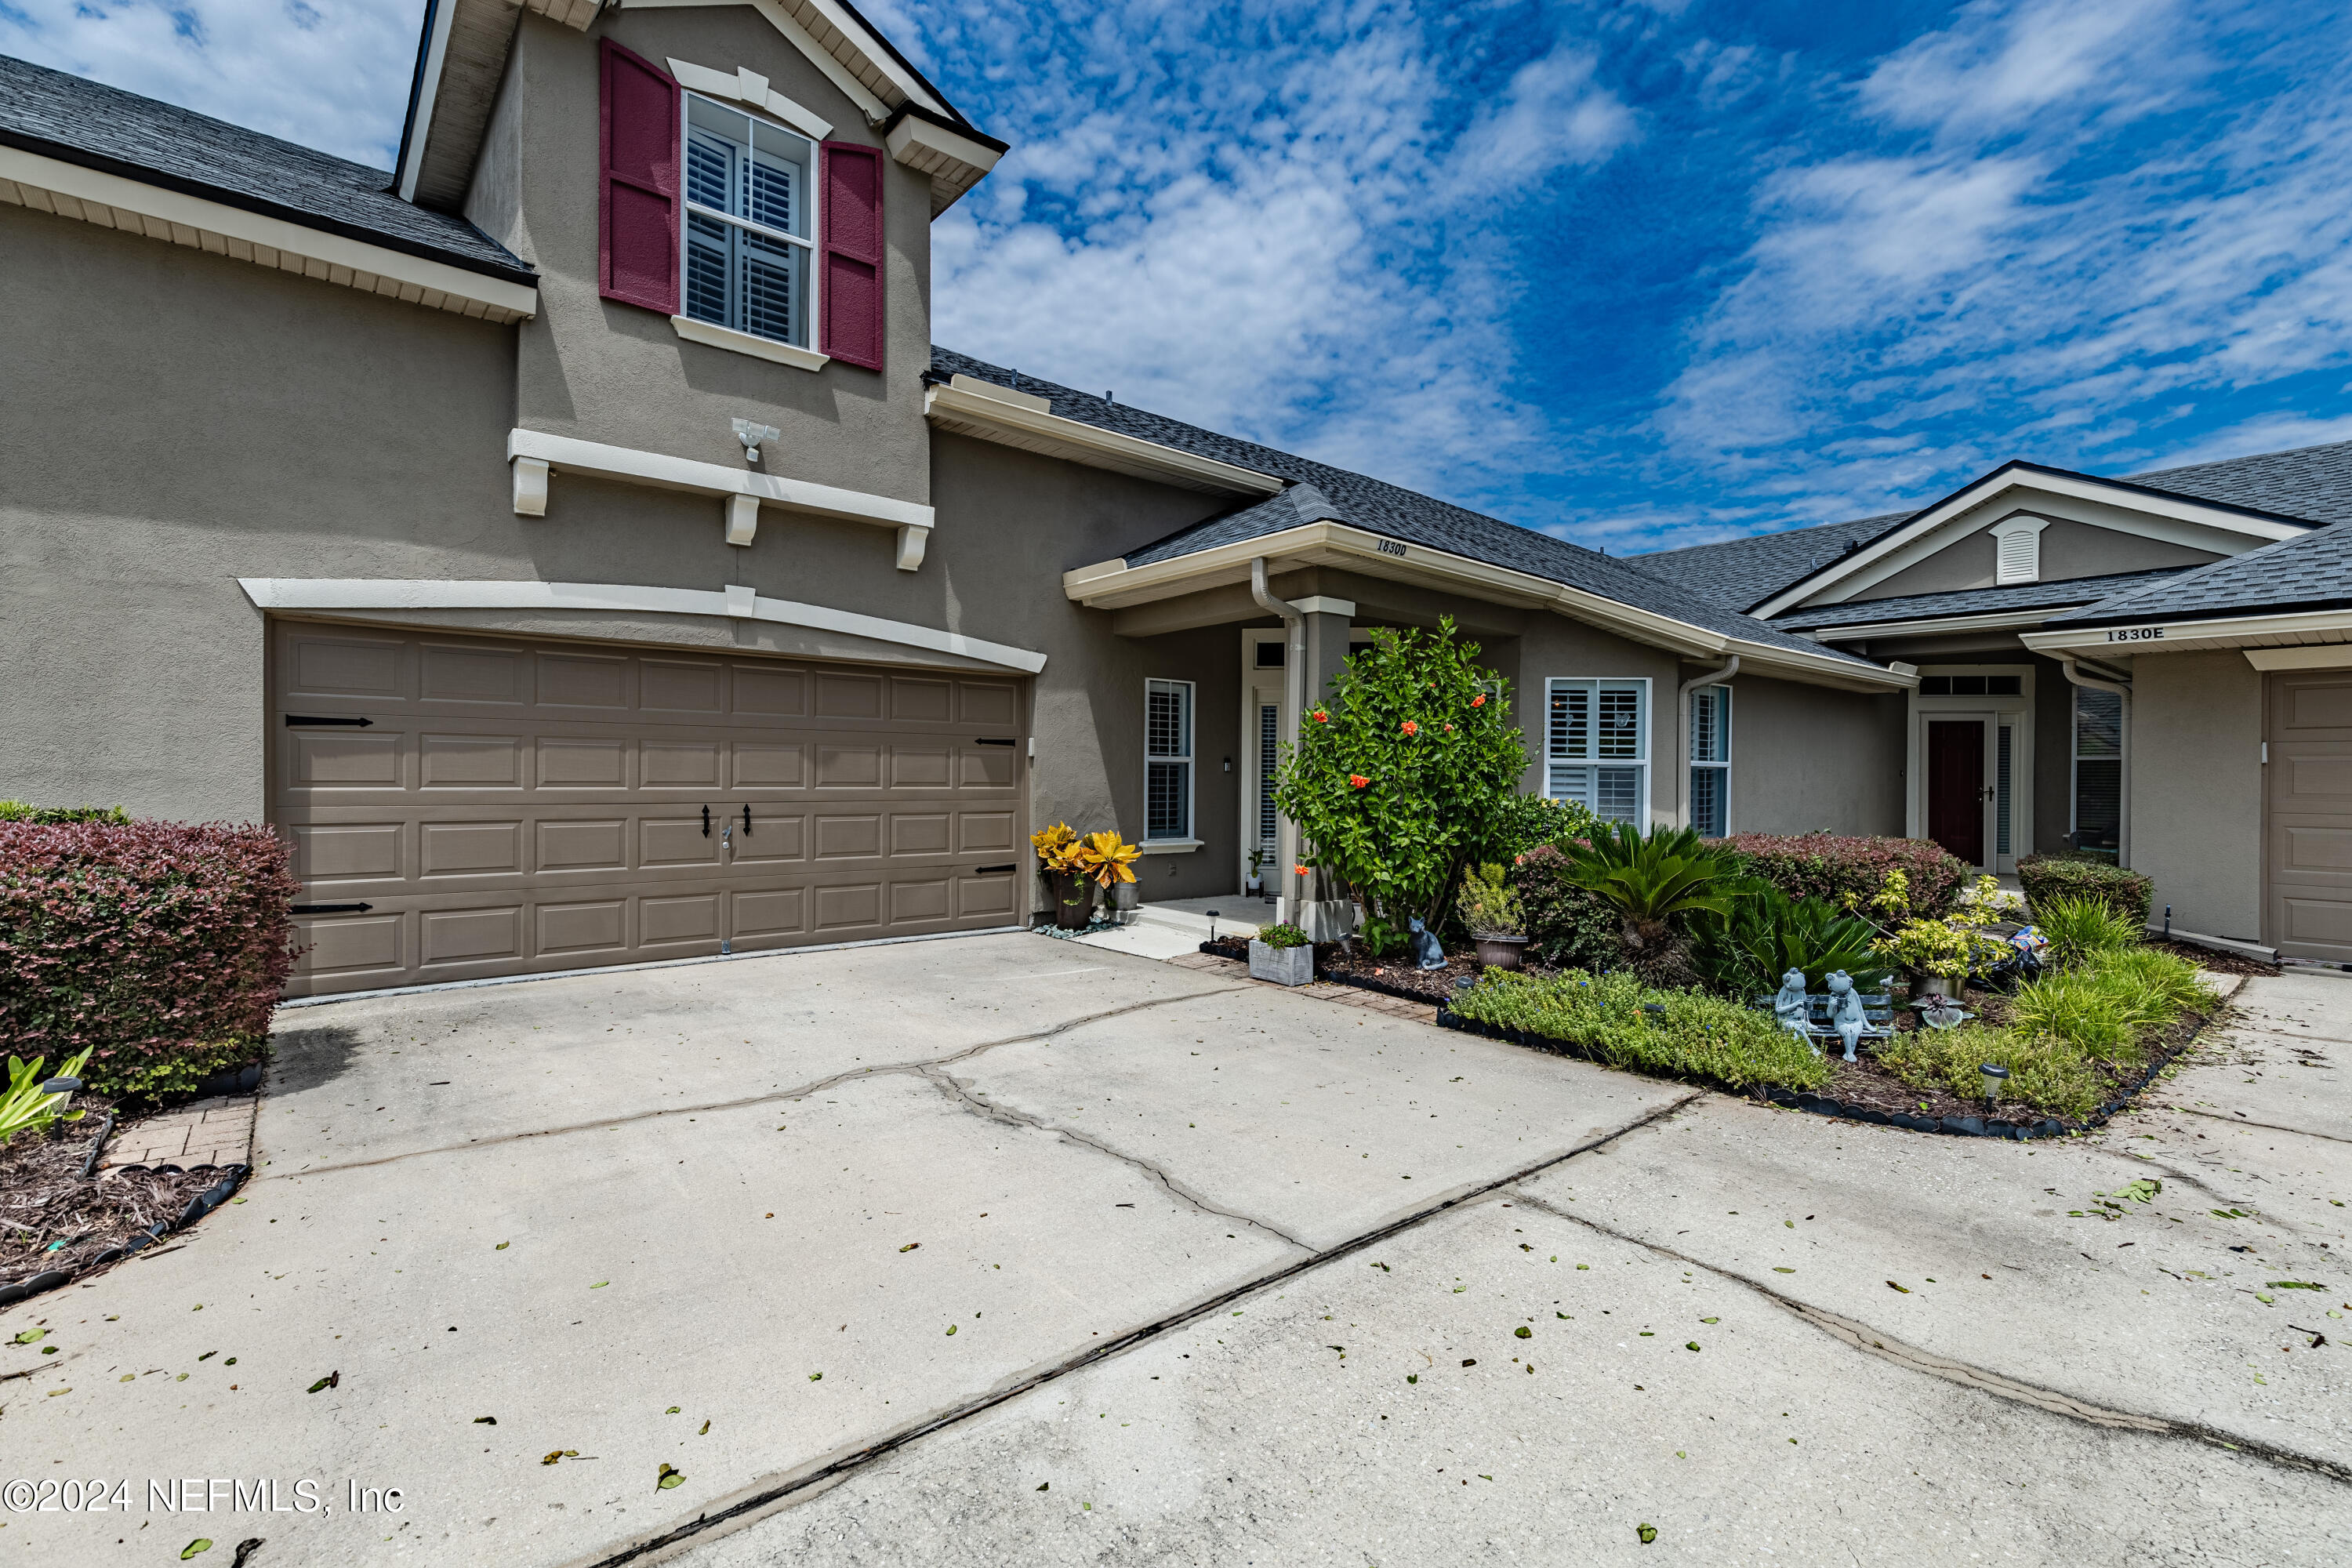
333 74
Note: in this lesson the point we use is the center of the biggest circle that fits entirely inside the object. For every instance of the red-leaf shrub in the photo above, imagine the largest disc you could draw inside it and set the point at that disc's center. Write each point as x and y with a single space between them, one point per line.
162 945
1828 865
2047 877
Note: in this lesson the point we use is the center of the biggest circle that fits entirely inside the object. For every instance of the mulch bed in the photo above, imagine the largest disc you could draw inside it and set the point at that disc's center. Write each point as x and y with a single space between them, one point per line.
2214 959
45 1200
1341 965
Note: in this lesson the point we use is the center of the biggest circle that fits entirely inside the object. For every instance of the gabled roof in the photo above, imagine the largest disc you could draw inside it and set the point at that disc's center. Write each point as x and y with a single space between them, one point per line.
1319 492
2017 598
2307 485
2311 572
79 121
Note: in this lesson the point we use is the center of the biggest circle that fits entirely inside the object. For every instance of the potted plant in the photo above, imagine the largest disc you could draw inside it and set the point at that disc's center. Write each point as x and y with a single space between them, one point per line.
1109 861
1065 882
1255 886
1283 954
1491 910
1940 954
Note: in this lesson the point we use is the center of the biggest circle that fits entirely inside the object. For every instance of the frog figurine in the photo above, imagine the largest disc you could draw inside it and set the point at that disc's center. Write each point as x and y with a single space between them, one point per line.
1791 1008
1846 1016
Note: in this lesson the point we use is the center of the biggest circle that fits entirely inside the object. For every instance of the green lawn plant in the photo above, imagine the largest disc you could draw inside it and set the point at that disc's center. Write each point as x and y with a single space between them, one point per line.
1659 882
1402 775
1744 953
26 1106
1691 1035
2078 925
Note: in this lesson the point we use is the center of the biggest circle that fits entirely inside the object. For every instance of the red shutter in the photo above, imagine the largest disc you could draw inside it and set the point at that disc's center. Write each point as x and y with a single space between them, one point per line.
638 231
851 279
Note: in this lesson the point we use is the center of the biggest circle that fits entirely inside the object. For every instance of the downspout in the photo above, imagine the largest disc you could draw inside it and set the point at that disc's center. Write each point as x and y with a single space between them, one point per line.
1682 744
2121 687
1294 679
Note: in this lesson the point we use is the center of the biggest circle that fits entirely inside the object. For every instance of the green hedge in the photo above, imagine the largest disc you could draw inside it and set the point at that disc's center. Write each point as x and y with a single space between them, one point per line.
18 811
1568 927
1691 1035
1835 868
2046 876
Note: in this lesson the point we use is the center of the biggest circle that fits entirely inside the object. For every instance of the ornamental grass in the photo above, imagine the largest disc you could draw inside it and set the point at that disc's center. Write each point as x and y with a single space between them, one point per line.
1606 1016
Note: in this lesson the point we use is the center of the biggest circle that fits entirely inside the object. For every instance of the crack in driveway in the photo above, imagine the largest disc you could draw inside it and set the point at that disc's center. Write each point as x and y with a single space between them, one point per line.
1872 1342
965 1095
921 1065
819 1477
2241 1119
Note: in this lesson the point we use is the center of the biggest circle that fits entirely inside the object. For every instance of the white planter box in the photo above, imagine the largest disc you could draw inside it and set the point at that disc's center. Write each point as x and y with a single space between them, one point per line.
1282 966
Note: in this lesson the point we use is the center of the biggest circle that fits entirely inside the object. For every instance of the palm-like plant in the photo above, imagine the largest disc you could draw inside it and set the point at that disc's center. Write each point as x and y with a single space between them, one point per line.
1654 880
1764 937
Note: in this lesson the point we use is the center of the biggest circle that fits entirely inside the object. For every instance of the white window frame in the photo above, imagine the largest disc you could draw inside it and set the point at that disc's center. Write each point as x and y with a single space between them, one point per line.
718 333
1188 757
1719 764
1562 766
2075 760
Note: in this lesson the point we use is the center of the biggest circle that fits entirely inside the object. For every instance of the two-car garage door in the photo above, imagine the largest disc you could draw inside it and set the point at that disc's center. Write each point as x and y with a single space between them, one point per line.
464 807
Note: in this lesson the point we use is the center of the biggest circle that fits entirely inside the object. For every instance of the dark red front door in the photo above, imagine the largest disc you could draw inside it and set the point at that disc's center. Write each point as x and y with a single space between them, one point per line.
1956 786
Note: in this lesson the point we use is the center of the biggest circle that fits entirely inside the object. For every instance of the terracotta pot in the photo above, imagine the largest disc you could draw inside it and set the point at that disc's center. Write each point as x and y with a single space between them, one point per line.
1501 952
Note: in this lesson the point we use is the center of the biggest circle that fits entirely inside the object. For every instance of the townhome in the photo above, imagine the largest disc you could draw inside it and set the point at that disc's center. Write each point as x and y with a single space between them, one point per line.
573 541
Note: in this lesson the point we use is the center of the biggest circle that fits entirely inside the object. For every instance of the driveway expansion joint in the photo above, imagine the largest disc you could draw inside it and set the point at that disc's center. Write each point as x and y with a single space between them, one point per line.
2242 1122
1873 1341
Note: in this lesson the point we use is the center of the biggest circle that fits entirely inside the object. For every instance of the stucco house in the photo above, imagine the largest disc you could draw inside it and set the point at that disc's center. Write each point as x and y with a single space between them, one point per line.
573 539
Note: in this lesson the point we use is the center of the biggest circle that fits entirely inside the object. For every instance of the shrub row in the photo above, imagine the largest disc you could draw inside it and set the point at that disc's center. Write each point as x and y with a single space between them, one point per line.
162 946
2048 877
1833 867
18 811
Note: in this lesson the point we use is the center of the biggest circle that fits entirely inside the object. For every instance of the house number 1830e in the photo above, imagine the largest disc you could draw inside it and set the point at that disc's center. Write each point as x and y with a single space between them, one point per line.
2135 634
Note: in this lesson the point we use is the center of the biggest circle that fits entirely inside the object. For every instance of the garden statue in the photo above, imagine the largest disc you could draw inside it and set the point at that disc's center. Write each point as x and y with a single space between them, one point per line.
1426 953
1791 1006
1846 1016
1943 1012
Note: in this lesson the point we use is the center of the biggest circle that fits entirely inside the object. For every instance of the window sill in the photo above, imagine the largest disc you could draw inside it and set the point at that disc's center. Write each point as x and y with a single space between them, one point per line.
695 331
1170 846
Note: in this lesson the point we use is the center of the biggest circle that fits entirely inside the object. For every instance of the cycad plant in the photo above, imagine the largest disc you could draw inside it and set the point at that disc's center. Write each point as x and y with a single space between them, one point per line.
1658 881
1744 953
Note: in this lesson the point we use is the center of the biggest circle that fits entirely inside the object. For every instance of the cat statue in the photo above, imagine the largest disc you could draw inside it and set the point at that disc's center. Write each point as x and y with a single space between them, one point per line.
1846 1016
1792 1007
1426 953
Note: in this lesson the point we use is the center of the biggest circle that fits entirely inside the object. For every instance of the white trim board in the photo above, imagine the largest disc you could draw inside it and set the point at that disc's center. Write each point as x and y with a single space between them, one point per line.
2323 655
970 406
747 87
111 201
2163 635
329 594
2098 503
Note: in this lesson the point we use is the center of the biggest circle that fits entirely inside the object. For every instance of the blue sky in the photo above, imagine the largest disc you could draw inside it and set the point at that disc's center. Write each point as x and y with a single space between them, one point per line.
1641 274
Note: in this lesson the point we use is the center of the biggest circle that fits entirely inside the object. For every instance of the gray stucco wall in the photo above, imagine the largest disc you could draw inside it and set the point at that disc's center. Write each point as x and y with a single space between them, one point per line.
1554 647
603 371
2196 789
1805 758
2069 549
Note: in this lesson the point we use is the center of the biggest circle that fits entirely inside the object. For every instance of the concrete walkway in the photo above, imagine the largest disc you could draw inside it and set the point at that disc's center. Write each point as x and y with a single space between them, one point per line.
1010 1250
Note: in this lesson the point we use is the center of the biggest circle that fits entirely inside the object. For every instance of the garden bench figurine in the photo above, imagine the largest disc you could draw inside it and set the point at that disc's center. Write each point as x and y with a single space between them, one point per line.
1793 1007
1846 1015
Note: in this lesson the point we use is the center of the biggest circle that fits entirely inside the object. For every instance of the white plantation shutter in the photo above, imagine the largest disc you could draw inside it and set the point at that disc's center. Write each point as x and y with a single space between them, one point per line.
1168 759
1596 746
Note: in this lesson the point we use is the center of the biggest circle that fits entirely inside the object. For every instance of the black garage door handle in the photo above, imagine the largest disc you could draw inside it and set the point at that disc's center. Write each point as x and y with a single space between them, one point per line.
989 871
331 909
294 719
998 740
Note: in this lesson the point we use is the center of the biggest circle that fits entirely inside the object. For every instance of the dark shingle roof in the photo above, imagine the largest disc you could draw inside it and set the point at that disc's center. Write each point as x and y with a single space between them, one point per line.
1972 601
1744 571
2310 572
77 120
2305 484
1318 491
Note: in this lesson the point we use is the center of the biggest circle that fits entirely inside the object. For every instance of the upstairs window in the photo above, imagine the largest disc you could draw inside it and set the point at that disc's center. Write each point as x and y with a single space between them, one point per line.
1168 759
1597 747
749 230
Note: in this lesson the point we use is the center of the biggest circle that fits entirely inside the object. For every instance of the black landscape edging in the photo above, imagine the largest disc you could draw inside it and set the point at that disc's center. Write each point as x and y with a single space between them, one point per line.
1823 1105
203 1203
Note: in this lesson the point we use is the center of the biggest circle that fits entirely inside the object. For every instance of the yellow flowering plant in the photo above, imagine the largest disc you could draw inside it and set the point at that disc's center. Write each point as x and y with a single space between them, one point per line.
1057 849
1105 858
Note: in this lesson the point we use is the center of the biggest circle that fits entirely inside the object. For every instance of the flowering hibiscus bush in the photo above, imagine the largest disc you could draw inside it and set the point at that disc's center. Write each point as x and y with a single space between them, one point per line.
161 947
1401 778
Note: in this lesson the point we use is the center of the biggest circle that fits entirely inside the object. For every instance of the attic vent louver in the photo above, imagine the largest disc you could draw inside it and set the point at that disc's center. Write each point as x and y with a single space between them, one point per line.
2017 550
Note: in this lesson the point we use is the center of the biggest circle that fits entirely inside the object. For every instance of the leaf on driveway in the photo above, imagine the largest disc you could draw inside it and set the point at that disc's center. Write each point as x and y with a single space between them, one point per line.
1777 1270
332 1380
486 1420
1690 1344
705 1430
32 1336
1710 1319
911 1247
1648 1533
1523 1332
1470 1361
1891 1285
672 1410
951 1329
667 1477
201 1543
555 1454
500 1247
599 1284
816 1377
2295 1285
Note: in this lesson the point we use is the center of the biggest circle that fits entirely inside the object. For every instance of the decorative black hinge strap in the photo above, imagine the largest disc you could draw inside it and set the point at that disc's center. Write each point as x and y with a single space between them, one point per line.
294 719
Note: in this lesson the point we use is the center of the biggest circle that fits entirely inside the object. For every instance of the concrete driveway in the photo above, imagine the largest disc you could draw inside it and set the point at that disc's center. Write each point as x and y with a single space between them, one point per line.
1002 1249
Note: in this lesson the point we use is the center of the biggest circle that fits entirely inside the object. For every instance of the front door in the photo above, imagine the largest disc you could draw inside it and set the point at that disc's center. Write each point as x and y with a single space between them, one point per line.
2310 826
1958 796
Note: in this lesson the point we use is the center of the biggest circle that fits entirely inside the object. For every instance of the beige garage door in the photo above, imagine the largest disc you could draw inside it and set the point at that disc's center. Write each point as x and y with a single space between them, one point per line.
464 807
2310 830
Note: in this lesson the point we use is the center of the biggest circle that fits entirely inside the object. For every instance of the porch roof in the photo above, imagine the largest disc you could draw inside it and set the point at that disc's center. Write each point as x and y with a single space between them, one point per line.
2018 598
2310 572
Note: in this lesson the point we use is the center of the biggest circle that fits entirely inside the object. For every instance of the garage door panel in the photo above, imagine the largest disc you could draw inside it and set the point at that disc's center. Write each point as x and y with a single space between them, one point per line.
469 672
577 930
470 936
2314 702
344 759
575 763
515 806
469 762
344 665
328 851
2308 898
469 848
2324 848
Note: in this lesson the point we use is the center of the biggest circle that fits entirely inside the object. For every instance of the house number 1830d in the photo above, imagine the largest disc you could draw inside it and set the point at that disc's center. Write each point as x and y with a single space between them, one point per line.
2135 634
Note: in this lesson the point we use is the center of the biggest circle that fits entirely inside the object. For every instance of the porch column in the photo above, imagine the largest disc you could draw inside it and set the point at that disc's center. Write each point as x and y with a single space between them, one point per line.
1313 908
